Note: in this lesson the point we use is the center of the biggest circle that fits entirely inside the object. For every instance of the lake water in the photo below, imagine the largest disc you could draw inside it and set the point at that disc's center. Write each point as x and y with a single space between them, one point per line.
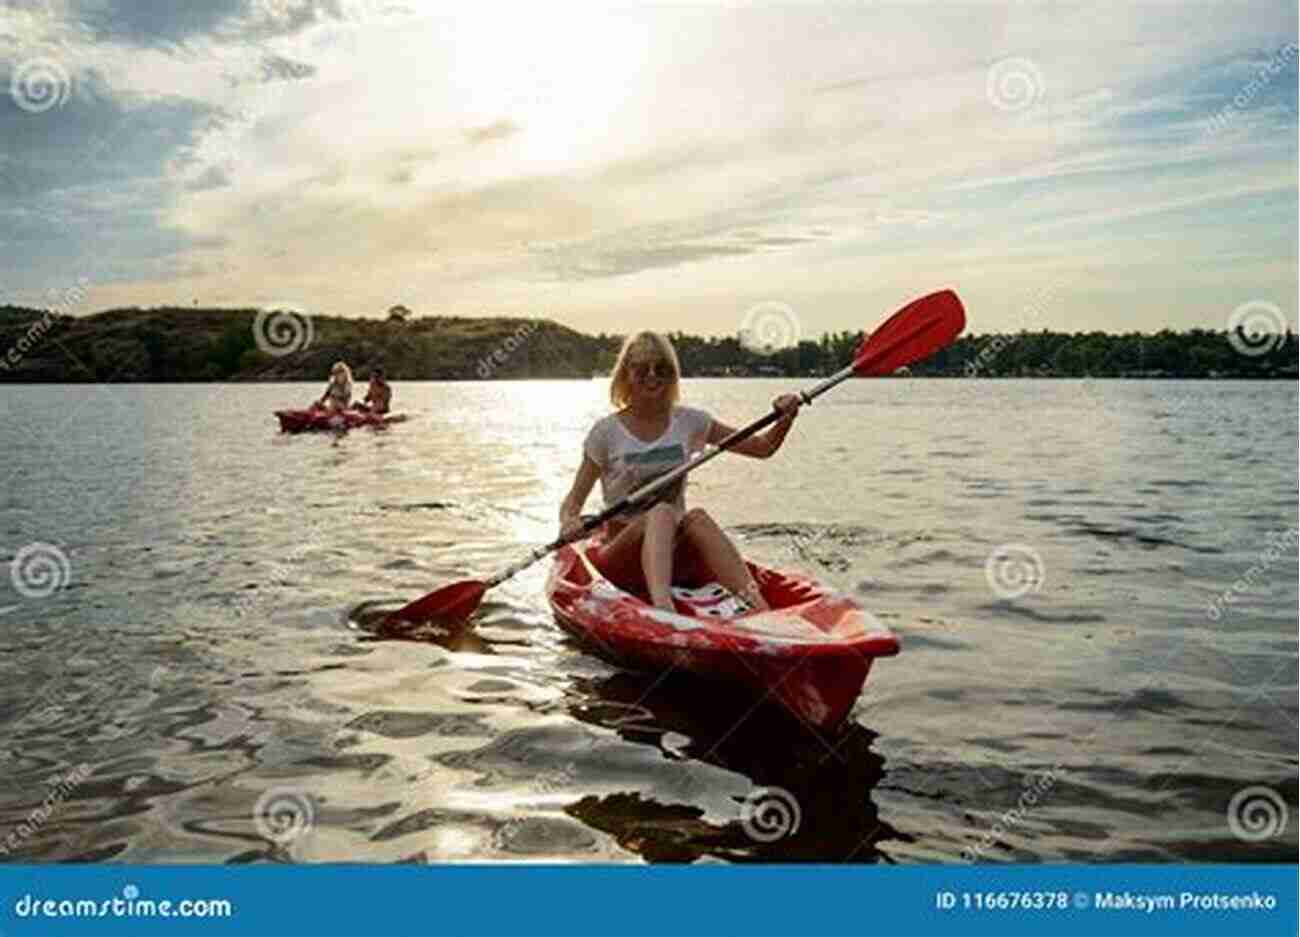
203 650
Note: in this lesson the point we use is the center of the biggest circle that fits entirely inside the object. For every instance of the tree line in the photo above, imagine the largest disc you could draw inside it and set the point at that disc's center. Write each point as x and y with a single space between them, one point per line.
175 344
1198 353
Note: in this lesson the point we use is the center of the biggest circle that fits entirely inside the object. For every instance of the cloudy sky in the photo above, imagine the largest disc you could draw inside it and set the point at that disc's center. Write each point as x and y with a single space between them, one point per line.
1117 165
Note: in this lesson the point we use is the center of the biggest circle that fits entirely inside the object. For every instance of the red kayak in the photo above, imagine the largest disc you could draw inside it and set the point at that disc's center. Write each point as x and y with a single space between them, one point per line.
811 652
301 421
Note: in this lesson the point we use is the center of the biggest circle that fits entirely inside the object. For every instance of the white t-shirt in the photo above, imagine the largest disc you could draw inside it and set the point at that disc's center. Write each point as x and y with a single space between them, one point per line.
626 463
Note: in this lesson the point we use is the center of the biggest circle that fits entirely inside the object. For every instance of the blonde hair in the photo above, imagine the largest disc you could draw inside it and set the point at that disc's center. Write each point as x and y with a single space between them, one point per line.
620 385
341 366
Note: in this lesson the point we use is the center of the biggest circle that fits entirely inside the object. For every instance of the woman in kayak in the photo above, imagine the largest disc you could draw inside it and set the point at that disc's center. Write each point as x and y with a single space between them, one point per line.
338 395
646 436
378 395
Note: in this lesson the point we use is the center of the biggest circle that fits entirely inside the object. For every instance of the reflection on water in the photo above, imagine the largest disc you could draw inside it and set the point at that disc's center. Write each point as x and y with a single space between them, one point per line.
829 814
214 644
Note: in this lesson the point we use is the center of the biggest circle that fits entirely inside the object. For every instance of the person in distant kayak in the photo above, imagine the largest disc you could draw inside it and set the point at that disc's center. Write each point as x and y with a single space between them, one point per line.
378 395
338 395
647 435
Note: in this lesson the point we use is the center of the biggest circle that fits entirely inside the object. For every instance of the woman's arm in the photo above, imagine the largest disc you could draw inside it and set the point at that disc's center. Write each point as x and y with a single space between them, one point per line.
765 445
583 481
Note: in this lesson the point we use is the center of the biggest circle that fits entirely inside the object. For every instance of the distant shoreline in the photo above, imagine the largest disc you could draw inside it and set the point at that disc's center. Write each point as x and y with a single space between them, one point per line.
188 346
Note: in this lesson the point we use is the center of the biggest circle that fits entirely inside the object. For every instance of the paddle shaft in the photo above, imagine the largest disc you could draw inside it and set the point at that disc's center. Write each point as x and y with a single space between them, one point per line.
649 492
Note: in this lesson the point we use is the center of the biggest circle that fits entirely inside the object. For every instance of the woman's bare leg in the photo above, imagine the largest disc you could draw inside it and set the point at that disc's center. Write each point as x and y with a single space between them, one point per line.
720 555
657 553
625 557
620 556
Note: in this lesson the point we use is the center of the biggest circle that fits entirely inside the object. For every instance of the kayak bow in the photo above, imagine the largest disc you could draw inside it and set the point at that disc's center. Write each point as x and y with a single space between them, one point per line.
811 652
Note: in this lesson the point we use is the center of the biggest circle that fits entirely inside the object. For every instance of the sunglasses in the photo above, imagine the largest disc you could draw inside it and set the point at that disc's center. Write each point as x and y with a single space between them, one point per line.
644 371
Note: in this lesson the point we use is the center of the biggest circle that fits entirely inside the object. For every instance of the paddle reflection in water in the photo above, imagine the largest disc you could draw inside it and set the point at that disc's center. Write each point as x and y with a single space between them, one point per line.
449 632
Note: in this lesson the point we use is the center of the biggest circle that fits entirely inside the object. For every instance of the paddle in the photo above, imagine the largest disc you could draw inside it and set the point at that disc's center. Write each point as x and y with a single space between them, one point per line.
915 332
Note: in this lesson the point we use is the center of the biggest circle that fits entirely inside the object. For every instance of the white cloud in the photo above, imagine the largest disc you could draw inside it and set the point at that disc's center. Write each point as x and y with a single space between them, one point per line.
677 162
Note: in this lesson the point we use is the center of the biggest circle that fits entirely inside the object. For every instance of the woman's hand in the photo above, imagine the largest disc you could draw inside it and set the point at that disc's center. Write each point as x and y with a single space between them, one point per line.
569 526
571 507
788 406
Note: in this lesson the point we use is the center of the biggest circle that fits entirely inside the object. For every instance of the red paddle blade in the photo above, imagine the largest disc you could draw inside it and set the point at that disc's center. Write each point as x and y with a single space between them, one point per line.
450 603
913 333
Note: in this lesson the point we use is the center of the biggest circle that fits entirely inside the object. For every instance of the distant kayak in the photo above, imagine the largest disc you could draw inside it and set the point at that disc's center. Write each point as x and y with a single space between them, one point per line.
317 420
811 652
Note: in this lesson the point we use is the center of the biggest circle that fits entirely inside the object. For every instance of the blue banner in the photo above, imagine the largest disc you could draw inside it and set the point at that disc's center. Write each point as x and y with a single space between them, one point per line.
798 901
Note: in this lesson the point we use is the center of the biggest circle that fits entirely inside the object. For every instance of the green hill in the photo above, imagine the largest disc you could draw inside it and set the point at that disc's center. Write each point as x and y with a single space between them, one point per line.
176 344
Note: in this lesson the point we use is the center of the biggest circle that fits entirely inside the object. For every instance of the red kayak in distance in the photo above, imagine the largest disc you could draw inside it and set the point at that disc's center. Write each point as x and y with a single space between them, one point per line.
810 653
317 420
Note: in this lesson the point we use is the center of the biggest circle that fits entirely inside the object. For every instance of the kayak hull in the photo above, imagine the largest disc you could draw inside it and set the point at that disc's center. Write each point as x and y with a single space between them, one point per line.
811 653
314 420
